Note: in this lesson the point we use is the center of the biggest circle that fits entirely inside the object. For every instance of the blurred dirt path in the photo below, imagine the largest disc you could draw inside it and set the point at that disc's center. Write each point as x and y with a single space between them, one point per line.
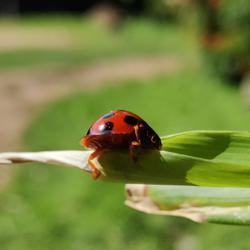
23 91
17 37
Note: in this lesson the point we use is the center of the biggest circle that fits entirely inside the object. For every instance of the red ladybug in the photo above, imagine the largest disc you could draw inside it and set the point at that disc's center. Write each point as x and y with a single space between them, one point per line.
119 129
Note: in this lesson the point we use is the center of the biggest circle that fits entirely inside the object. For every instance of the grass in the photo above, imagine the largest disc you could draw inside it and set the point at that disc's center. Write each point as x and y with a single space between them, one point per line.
91 41
54 208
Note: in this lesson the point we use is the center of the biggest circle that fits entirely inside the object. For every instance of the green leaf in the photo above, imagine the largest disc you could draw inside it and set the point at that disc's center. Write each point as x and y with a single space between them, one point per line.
204 158
222 146
200 204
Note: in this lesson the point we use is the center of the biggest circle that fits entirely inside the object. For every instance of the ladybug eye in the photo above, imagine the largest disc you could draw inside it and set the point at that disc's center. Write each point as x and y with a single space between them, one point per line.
130 120
108 126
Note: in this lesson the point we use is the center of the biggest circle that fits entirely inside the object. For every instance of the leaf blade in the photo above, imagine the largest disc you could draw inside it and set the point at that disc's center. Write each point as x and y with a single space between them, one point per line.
200 204
70 158
226 146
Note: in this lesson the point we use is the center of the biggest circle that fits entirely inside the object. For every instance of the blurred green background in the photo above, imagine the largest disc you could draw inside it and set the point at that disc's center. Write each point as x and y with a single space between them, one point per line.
58 74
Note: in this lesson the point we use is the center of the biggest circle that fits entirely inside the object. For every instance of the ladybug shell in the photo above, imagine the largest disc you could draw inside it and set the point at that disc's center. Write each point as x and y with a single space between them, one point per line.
117 129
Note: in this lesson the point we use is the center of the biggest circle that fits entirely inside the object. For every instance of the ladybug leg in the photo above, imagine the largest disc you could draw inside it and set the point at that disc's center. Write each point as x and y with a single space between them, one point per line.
135 144
137 133
96 173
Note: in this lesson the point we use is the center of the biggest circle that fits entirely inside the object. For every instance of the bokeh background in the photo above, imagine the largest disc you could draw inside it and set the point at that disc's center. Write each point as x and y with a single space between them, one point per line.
181 65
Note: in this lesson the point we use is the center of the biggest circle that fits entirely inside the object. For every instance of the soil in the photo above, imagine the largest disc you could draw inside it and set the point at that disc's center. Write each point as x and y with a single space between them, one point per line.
13 38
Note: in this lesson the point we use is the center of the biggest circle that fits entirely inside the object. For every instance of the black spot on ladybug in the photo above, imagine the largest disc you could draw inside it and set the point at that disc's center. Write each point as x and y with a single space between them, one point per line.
110 114
130 120
107 127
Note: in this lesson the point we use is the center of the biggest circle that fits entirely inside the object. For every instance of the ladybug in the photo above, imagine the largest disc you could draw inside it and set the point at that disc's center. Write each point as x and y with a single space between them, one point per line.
119 129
